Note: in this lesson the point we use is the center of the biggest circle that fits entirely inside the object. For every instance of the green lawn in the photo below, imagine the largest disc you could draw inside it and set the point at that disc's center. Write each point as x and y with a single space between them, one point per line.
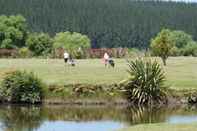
181 72
163 127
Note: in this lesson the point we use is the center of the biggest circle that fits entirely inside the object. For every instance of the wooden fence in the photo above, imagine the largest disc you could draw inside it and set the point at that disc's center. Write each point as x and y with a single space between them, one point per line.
5 53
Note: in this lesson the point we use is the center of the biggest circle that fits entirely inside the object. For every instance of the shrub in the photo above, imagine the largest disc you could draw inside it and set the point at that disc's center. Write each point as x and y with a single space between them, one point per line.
39 44
190 49
146 82
24 52
180 38
21 87
175 51
134 52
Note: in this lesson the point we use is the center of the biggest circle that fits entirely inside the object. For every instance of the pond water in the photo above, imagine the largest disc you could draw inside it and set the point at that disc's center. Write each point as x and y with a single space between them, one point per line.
64 118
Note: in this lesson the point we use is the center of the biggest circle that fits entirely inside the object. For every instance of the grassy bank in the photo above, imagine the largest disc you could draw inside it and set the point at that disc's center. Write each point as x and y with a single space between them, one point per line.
163 127
86 94
180 72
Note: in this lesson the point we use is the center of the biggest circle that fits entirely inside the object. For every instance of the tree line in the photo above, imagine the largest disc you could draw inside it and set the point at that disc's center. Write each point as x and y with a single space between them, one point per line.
108 23
14 34
173 43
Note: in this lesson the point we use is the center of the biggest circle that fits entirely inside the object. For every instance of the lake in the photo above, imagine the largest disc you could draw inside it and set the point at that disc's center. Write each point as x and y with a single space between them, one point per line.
91 118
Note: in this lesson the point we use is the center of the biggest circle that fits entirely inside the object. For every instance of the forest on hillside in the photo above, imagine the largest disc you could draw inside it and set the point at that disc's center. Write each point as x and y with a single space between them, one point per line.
108 23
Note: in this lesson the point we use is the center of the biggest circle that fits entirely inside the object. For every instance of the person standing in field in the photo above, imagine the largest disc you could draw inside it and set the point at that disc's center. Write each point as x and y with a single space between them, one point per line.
66 57
71 61
106 58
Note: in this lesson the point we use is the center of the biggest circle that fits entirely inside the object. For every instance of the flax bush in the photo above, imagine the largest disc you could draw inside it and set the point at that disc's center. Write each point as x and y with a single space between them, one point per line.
146 82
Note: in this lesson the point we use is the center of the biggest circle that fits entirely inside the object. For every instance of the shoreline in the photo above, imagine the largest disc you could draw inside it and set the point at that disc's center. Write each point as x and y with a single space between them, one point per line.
174 97
172 101
105 95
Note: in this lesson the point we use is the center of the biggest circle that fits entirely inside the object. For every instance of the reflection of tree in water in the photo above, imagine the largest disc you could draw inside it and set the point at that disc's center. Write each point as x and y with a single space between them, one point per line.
85 113
20 118
132 115
138 115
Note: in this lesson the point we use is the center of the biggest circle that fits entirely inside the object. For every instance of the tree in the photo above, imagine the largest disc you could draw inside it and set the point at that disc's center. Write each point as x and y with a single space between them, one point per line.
180 38
13 31
103 21
39 43
162 44
71 41
190 49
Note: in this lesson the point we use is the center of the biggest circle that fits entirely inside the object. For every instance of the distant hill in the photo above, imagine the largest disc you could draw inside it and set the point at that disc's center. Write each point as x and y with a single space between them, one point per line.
109 23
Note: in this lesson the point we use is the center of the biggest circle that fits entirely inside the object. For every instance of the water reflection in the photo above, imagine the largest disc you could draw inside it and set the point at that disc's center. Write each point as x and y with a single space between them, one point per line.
28 118
139 115
20 118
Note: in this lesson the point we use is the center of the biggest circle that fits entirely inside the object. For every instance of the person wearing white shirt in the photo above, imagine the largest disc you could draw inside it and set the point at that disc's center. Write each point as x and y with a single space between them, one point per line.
66 57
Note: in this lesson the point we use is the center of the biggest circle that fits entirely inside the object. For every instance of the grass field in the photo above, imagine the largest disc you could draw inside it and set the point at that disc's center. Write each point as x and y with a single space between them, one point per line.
163 127
181 72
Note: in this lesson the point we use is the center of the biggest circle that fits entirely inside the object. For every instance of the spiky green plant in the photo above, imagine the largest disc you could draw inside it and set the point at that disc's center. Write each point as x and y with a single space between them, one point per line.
146 82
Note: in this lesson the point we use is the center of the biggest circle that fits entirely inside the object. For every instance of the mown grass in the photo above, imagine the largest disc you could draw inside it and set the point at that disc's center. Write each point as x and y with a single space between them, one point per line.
54 71
163 127
181 72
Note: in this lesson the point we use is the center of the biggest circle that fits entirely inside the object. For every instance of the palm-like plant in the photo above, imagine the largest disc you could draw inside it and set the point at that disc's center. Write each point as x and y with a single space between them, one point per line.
146 82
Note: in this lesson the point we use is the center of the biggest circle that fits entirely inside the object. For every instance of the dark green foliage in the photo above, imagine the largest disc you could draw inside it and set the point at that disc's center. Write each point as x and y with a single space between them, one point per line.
190 49
39 44
184 44
146 82
108 23
12 31
21 87
180 38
